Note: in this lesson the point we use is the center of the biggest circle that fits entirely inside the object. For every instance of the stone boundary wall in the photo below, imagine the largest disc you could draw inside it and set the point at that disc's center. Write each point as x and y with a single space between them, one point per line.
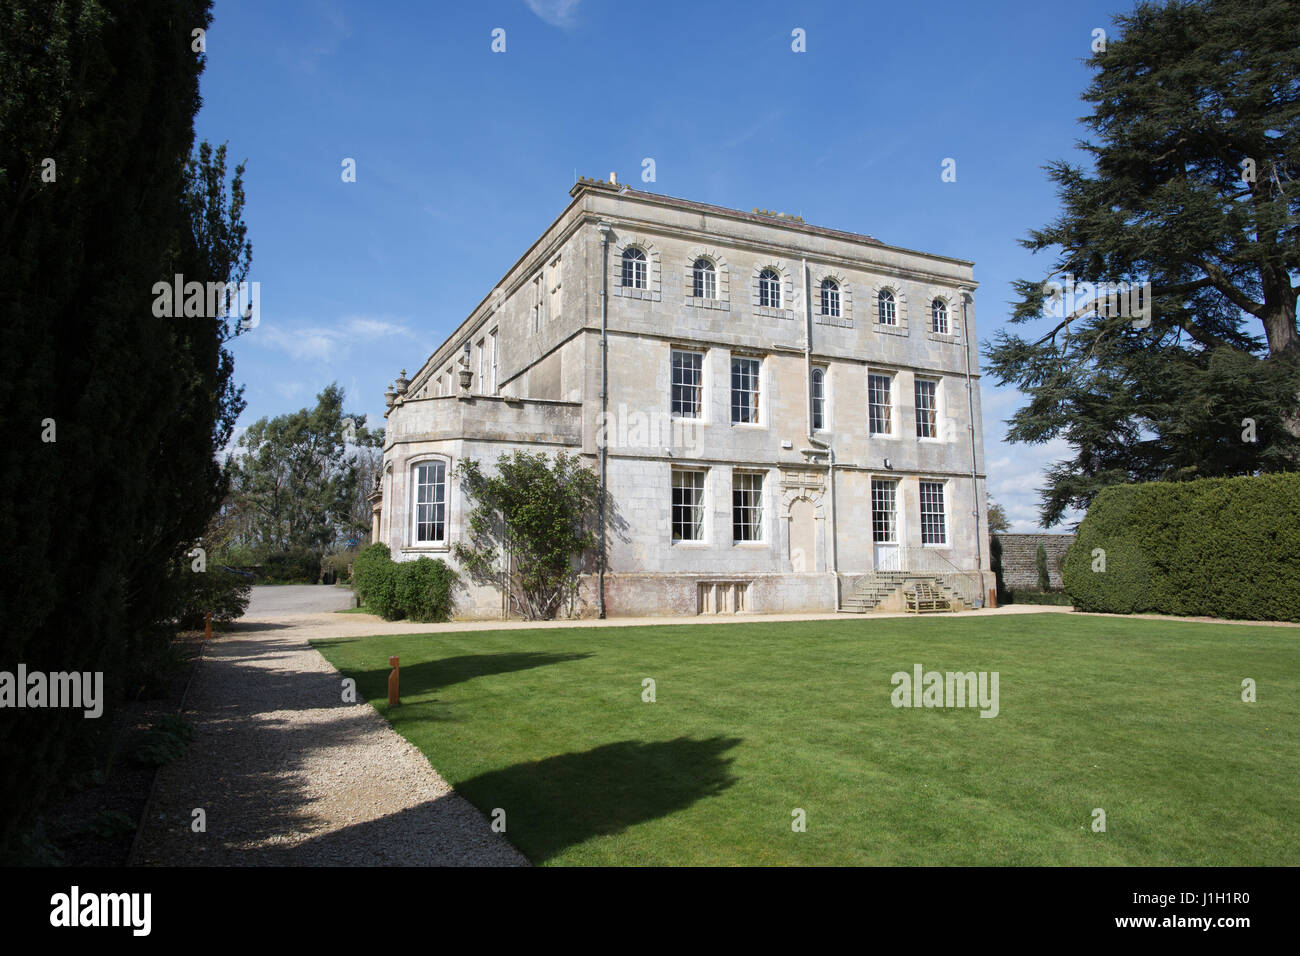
1019 567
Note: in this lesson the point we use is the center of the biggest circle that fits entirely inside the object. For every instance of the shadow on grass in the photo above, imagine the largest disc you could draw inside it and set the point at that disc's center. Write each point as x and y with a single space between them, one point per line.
426 677
559 802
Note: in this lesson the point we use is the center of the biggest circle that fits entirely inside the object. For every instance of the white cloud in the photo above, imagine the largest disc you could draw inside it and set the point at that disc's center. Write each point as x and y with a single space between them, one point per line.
368 325
304 343
558 13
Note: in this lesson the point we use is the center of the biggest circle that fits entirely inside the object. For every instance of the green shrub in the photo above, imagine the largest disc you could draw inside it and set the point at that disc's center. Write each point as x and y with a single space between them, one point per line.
1217 547
383 592
1040 565
364 567
216 590
294 566
374 576
424 589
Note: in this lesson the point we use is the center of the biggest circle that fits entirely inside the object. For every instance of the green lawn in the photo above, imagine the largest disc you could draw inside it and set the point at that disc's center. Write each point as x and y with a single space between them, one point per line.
1143 719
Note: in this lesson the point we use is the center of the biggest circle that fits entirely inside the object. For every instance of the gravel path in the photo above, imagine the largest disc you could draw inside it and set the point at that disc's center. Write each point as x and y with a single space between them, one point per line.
288 774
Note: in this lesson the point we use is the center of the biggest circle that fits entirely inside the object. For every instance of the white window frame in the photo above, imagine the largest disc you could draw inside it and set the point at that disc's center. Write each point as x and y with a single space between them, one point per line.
413 470
747 478
830 298
941 513
640 268
674 384
492 345
699 517
755 393
890 417
935 420
820 406
879 527
769 286
887 316
936 307
704 282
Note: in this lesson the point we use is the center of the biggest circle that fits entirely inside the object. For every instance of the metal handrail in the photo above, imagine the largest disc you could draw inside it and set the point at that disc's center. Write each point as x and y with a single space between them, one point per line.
908 561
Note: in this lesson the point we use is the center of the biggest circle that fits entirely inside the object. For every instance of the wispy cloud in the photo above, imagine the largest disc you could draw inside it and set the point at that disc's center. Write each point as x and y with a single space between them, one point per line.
558 13
303 343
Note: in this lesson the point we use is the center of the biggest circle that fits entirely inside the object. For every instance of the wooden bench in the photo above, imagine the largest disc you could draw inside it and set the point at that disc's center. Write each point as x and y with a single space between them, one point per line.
925 598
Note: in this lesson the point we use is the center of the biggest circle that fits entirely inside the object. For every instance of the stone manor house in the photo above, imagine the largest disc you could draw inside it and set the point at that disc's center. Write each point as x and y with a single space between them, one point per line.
786 417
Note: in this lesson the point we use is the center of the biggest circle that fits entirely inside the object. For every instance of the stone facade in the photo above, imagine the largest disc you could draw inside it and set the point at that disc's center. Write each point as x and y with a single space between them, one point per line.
523 371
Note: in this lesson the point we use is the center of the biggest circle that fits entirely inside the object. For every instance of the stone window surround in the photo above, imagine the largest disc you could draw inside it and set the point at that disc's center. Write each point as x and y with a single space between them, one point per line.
900 308
722 275
787 290
654 270
952 301
845 319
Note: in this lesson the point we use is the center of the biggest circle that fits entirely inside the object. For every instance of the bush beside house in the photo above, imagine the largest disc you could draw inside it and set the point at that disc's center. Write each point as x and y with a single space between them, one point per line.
420 590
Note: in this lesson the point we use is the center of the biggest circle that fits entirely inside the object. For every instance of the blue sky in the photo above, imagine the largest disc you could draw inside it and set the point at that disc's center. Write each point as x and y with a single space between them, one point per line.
464 156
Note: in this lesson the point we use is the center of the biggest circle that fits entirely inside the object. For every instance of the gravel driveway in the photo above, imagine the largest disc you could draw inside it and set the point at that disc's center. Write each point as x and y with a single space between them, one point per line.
288 774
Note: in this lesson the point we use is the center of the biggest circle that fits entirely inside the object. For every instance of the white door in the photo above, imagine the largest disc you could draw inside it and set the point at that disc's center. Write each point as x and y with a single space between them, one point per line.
884 523
887 557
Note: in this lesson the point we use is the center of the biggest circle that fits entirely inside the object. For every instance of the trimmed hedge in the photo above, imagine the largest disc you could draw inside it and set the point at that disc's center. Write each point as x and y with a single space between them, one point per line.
1215 547
420 589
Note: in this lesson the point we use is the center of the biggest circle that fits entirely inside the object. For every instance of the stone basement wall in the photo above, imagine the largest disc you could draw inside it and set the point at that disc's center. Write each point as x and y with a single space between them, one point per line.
1019 567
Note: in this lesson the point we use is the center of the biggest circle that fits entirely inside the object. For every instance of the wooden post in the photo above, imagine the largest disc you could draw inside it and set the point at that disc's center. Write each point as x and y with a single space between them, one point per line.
392 684
207 626
993 597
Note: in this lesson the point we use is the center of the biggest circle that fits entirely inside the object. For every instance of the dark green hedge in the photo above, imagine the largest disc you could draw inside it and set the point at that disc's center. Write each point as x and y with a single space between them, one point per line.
1217 547
420 590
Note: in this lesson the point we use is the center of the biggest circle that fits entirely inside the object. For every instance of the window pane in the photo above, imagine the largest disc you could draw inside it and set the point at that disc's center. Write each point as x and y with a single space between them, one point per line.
704 286
939 315
818 398
888 315
879 418
687 382
747 506
634 269
430 502
769 289
884 526
744 391
933 529
830 298
688 505
927 425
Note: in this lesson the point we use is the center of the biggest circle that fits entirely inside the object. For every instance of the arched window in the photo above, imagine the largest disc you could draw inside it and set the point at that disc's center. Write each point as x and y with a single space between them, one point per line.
818 399
705 284
429 500
888 308
769 289
633 268
830 297
939 316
